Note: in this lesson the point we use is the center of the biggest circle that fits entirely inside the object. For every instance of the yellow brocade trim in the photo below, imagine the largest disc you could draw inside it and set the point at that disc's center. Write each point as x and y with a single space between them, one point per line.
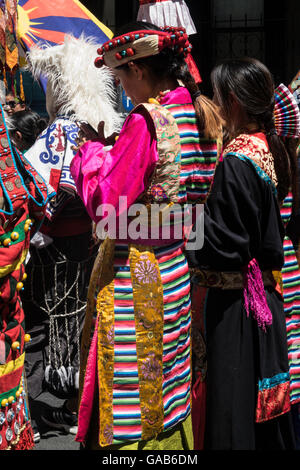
165 181
9 268
12 365
278 279
102 281
106 328
149 324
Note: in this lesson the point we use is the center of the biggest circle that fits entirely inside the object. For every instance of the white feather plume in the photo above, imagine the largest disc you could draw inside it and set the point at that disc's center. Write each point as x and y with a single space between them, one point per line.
82 91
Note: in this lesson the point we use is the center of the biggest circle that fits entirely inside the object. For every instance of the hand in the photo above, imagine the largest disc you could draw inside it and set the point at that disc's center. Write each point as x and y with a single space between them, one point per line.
88 131
106 140
80 140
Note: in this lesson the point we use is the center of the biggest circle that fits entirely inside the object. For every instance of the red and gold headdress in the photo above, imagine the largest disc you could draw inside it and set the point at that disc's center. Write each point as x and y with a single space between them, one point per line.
139 44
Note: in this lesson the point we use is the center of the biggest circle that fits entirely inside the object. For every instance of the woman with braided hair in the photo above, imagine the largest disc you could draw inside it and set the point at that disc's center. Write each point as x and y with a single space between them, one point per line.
248 381
136 371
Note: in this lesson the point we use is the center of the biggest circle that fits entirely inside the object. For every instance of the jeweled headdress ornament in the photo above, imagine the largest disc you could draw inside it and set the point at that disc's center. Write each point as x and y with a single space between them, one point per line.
139 44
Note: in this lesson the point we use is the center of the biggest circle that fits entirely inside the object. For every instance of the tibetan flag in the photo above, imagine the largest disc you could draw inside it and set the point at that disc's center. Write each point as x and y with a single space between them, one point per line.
48 21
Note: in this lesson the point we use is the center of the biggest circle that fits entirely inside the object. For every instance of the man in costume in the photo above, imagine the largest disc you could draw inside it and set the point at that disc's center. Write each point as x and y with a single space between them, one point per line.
24 195
63 252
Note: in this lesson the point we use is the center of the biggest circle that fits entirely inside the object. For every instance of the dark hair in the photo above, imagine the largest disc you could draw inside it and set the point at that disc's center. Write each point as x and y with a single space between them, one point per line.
29 124
252 85
169 64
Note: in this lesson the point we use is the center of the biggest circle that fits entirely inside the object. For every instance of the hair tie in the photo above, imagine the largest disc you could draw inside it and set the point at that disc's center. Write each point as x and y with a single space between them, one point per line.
196 95
272 132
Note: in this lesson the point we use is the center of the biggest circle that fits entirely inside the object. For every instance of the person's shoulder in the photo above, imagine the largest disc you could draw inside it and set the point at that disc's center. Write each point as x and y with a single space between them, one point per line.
248 145
253 149
140 117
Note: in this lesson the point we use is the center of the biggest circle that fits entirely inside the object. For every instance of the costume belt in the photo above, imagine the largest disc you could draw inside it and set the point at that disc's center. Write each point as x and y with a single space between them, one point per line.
227 279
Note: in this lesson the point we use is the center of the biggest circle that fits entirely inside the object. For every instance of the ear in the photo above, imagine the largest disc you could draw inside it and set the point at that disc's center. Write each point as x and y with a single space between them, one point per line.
136 70
19 135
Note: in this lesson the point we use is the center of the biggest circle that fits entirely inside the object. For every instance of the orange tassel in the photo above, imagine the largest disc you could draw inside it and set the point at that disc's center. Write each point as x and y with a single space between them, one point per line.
22 94
4 77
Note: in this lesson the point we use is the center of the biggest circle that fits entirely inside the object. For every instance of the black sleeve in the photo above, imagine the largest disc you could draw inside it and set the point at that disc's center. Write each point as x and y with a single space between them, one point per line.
241 220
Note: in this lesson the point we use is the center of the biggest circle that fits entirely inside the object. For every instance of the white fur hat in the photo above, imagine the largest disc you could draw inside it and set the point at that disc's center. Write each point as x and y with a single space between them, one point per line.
84 92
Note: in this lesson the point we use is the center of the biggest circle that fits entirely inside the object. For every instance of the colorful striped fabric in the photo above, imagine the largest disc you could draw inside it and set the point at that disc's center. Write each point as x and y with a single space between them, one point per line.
290 279
198 161
176 351
286 113
198 156
293 334
291 296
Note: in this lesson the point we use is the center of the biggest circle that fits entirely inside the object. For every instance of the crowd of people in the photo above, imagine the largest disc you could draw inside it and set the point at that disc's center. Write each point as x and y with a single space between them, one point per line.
189 340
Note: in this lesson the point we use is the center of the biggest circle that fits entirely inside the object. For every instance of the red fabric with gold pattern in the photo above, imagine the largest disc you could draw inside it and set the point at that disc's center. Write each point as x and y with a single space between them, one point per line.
273 402
254 146
23 199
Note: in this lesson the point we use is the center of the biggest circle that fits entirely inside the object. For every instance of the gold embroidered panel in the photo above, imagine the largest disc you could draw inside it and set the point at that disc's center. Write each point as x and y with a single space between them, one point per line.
149 324
165 183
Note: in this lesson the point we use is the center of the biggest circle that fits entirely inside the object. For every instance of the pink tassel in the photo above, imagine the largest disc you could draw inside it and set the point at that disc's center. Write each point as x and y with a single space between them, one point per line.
255 297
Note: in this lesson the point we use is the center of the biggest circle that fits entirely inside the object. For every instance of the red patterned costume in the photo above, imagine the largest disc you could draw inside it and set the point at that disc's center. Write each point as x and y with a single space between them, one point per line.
23 199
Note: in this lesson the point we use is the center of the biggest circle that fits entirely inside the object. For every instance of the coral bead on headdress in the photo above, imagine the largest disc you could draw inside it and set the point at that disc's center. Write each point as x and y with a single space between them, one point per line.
139 44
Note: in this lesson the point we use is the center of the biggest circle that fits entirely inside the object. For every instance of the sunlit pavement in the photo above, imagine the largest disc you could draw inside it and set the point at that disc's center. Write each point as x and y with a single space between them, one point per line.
51 439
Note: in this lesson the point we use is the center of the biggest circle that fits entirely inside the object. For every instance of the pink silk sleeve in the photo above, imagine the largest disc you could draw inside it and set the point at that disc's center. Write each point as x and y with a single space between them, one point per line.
102 176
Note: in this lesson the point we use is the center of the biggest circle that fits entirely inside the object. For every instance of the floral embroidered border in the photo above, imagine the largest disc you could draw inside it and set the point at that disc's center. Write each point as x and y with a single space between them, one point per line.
149 324
105 359
165 182
102 281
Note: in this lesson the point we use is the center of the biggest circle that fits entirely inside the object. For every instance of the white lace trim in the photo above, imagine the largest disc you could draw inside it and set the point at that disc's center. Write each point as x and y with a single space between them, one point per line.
168 13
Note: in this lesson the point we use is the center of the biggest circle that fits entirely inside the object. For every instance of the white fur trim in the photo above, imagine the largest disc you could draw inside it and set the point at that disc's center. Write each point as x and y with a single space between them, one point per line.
82 91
